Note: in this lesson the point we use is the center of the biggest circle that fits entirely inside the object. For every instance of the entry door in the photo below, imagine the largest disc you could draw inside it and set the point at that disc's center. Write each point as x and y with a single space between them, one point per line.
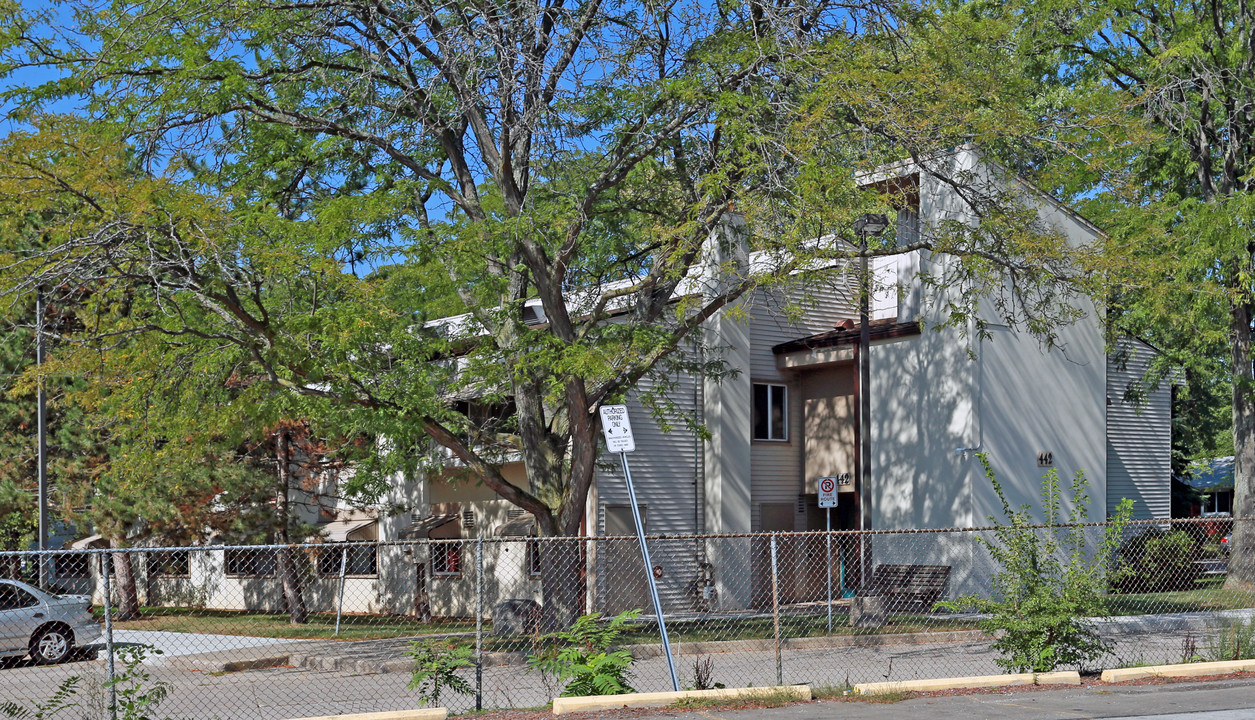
844 547
623 574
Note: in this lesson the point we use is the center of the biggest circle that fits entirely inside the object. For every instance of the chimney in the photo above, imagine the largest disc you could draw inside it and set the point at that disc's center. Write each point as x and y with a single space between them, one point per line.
725 254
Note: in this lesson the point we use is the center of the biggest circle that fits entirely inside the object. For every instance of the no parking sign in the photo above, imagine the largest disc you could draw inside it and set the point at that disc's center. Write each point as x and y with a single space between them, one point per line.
827 492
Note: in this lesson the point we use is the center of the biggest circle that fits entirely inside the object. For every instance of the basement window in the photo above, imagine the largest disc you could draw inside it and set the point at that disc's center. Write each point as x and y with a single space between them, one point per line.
771 412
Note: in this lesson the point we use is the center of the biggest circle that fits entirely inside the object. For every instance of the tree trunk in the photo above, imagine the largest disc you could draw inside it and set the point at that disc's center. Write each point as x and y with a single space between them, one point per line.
124 584
285 563
290 576
561 582
1242 544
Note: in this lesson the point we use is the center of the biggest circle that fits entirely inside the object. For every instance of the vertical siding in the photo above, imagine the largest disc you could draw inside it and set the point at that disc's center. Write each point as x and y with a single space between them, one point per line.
667 465
667 471
776 468
1139 436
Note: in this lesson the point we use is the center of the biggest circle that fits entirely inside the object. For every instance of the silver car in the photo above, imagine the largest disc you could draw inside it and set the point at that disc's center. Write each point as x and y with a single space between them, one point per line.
48 627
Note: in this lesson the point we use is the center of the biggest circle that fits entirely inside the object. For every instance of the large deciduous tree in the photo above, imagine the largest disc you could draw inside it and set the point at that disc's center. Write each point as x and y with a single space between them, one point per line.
1166 93
312 189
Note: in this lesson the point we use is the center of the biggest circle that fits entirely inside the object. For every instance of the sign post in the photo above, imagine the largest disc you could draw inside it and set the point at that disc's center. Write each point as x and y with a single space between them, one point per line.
618 433
827 501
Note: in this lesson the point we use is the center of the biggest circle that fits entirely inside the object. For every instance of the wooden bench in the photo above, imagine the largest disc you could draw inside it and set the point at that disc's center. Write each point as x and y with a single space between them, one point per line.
910 586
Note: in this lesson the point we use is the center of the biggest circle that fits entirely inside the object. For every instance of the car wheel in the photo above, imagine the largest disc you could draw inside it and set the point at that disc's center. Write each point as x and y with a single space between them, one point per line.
51 646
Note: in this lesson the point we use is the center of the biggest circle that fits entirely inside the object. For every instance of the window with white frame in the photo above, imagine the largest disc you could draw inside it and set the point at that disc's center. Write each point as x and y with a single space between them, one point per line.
446 548
247 562
771 412
175 563
446 558
359 560
533 557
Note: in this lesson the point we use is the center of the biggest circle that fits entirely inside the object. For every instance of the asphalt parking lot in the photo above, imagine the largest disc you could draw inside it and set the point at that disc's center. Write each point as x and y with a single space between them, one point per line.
228 676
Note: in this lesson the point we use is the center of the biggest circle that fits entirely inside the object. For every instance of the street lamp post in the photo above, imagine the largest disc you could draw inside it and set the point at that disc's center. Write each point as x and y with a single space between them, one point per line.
869 224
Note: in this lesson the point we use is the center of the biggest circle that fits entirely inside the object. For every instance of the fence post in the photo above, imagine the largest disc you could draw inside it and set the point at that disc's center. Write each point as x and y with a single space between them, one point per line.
344 561
479 622
775 608
106 559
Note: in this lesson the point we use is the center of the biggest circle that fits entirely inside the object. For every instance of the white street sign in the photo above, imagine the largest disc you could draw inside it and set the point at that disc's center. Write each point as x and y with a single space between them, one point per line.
617 429
827 492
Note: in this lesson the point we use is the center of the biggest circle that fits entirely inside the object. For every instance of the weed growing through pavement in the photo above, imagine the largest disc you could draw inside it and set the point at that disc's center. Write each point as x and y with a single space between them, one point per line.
704 674
137 694
435 670
1050 581
1233 641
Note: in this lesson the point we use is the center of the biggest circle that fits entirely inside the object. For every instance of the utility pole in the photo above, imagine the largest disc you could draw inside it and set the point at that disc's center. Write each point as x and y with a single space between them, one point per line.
43 439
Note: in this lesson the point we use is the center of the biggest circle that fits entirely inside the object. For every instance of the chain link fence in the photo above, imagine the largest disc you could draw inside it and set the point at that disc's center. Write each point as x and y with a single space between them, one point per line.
325 628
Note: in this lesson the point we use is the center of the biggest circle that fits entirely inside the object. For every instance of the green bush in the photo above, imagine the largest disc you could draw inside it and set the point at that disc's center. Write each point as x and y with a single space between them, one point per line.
582 656
435 669
1157 561
1049 583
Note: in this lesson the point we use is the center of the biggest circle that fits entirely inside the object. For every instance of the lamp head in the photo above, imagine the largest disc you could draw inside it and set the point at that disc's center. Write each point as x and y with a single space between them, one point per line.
871 224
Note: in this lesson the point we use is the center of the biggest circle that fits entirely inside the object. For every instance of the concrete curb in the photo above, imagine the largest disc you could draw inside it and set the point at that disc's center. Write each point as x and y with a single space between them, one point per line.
1183 670
419 714
562 706
257 663
1070 677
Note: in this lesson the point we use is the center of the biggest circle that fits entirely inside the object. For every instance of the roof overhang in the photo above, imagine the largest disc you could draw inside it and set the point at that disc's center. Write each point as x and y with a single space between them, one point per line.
89 542
837 345
522 526
348 530
1213 474
422 528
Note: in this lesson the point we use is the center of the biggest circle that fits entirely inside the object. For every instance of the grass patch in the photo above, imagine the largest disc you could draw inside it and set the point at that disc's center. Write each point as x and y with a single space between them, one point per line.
492 711
831 692
1207 594
778 698
886 696
276 625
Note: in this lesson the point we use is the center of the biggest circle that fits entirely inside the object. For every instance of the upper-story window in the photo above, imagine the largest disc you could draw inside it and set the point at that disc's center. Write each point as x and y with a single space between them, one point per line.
496 423
771 412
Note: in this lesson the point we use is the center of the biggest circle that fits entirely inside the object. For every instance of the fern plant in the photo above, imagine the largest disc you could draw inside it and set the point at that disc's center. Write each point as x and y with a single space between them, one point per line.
1050 582
582 656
